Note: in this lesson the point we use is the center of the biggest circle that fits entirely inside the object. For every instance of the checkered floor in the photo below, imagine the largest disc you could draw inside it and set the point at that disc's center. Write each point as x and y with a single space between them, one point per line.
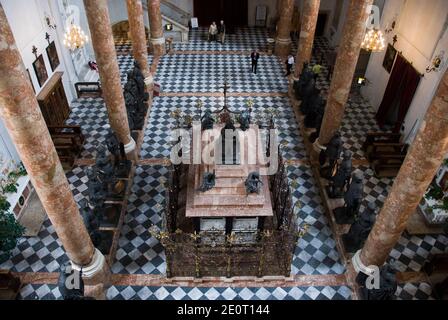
207 73
51 292
139 253
91 115
156 143
126 63
316 252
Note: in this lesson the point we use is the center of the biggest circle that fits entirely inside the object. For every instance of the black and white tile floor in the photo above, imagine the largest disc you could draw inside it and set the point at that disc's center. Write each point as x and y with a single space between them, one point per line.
51 292
157 139
139 253
207 73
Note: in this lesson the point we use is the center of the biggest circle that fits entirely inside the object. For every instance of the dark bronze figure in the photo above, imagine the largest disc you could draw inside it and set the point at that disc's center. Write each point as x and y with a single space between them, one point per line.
360 229
342 177
353 198
253 183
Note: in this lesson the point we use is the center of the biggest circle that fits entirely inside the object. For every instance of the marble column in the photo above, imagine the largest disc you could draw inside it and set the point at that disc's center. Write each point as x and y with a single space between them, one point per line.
283 41
139 42
103 44
307 32
418 170
21 114
156 28
344 70
138 35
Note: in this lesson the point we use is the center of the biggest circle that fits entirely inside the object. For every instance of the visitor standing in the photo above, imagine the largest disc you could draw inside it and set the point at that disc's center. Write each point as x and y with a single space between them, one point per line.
222 32
212 32
254 57
289 65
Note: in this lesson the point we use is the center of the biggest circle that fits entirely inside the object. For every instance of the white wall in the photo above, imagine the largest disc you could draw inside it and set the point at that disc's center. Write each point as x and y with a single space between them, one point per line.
414 48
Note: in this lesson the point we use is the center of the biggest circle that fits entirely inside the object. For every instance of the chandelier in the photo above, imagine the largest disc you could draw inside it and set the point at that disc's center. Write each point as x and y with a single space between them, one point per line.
75 38
374 41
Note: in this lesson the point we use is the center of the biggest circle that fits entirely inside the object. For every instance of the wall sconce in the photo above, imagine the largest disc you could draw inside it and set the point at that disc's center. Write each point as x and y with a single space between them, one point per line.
168 27
437 63
50 22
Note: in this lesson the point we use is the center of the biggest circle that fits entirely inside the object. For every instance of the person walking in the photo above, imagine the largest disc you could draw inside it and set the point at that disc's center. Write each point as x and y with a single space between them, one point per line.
212 32
222 32
289 64
254 57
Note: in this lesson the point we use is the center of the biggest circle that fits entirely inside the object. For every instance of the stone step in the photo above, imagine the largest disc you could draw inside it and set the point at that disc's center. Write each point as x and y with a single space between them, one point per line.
224 182
229 171
203 200
226 191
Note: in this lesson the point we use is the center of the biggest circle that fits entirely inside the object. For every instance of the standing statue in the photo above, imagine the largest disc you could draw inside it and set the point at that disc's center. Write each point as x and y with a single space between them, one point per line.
385 289
253 183
120 163
96 188
245 120
317 111
360 229
303 88
71 284
136 98
331 154
207 120
310 102
353 198
91 222
208 182
342 177
319 119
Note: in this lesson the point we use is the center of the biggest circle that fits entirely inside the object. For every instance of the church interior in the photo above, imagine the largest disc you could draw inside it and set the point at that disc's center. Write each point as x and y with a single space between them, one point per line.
224 150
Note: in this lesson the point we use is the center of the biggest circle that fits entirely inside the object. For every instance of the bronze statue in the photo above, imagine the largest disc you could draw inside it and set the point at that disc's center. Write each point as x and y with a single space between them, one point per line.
387 285
244 120
92 223
253 183
331 154
208 182
360 229
353 198
207 120
342 177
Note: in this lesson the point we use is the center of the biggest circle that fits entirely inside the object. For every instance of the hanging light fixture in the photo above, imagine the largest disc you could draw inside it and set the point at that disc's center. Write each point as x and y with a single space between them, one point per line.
374 41
75 38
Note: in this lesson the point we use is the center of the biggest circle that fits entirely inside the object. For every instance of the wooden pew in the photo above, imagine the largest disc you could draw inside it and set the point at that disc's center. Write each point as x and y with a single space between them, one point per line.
88 89
380 137
68 141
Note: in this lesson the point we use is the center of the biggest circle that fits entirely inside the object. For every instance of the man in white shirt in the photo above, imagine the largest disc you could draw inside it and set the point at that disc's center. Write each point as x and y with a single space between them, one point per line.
289 65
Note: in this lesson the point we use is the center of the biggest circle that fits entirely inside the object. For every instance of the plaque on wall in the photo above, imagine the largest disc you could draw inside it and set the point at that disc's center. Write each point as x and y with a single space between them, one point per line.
40 70
53 57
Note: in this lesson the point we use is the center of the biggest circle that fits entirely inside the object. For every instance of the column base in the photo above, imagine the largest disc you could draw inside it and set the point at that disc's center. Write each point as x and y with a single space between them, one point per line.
317 149
282 47
158 46
131 150
96 276
359 266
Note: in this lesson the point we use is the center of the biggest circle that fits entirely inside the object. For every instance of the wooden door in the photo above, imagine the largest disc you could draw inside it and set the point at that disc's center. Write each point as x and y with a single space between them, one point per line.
233 12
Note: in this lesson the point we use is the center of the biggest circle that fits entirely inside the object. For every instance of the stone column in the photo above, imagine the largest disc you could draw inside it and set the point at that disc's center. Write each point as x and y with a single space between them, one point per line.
422 162
156 28
22 116
283 41
138 35
103 44
139 43
344 70
307 32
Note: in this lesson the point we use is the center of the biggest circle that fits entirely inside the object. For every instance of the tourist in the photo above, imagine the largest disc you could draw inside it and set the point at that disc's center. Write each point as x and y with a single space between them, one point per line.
289 64
222 32
212 32
254 57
